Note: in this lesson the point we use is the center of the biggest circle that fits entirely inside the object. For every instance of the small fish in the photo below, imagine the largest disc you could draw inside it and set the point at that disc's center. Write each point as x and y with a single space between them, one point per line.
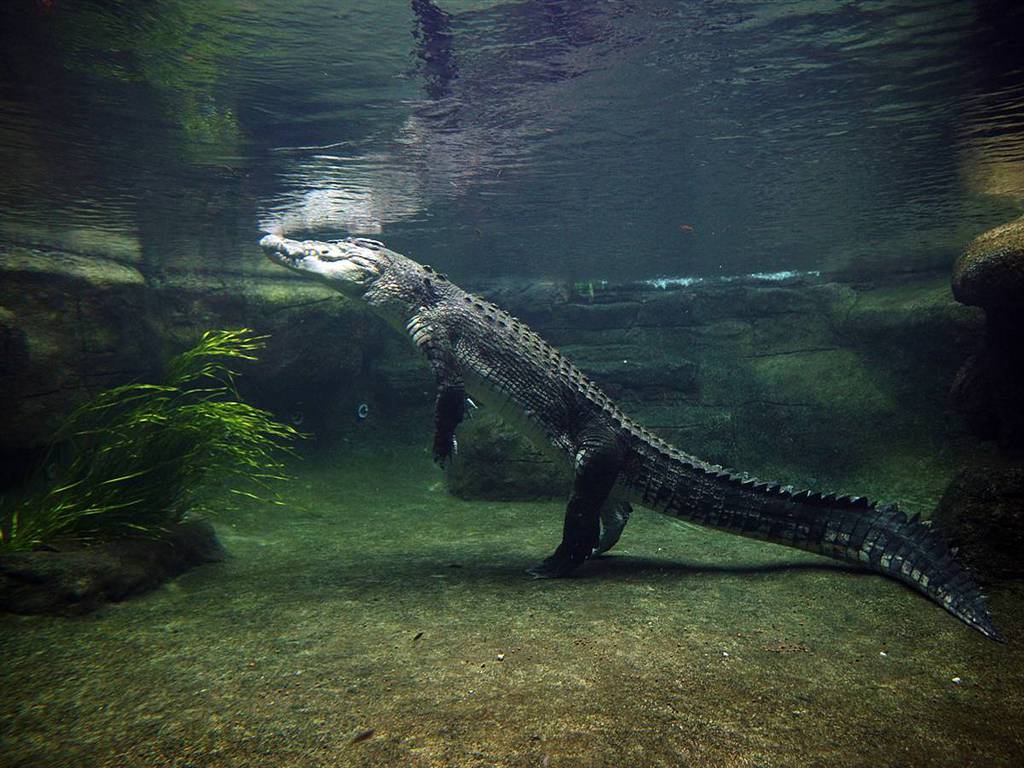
687 228
363 736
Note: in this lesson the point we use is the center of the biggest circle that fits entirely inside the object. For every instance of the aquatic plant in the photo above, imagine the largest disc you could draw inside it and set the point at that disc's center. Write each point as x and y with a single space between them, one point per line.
136 458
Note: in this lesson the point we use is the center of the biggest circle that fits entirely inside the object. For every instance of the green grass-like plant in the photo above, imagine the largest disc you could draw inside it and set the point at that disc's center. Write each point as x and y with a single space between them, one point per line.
136 458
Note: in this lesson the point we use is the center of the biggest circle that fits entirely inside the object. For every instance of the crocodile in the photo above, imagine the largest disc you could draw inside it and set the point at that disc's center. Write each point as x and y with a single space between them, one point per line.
477 350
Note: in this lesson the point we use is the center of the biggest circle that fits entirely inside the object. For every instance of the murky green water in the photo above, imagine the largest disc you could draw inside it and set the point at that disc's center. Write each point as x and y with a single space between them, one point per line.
738 218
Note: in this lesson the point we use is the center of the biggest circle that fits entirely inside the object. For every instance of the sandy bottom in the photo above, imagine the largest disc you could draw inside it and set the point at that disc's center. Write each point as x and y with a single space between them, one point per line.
375 621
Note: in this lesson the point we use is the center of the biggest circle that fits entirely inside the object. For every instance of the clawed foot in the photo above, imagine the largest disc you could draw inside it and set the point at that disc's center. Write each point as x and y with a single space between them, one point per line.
606 543
445 448
556 566
614 517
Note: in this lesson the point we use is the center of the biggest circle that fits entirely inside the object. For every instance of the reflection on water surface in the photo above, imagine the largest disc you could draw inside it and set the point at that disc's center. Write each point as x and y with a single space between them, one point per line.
620 139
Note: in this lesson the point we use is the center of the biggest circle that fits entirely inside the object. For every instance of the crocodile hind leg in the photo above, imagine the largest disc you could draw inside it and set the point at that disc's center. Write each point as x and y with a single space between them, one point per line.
596 470
614 516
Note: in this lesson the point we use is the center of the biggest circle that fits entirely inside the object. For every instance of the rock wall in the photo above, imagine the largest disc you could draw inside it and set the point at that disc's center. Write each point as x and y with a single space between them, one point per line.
837 384
73 323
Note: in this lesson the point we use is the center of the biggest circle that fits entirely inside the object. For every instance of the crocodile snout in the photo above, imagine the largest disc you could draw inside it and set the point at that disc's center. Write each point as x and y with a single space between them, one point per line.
271 242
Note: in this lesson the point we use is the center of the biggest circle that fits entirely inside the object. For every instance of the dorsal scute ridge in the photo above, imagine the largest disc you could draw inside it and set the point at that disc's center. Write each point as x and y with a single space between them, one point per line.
803 495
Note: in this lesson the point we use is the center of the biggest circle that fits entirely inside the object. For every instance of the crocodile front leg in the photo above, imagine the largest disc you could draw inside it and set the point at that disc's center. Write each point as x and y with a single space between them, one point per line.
450 404
449 410
597 466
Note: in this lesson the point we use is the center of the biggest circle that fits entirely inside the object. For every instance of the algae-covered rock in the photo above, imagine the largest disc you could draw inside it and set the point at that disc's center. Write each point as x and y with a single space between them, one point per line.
990 272
626 371
77 578
495 462
982 512
13 351
989 388
809 381
72 324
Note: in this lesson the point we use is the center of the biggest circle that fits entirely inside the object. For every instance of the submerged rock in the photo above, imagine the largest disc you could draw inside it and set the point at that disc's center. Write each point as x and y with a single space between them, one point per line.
79 579
494 462
982 513
988 389
990 273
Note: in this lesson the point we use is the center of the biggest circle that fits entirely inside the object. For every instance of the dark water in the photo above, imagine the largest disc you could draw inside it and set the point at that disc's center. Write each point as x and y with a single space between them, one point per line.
623 139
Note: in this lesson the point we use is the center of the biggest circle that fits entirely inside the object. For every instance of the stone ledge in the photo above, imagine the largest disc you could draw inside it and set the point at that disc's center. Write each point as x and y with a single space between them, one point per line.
79 579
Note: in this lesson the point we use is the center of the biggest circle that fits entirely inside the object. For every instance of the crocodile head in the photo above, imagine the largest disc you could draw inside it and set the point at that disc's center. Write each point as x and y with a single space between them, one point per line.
349 266
393 286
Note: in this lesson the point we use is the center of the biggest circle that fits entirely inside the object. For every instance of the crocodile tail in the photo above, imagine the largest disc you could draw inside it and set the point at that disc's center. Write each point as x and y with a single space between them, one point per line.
883 539
879 537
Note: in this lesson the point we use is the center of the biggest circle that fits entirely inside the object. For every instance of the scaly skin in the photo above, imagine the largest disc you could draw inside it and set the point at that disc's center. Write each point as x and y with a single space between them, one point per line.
475 348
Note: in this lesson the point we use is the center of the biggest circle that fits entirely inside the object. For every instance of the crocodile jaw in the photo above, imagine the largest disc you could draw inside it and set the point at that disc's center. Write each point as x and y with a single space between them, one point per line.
345 266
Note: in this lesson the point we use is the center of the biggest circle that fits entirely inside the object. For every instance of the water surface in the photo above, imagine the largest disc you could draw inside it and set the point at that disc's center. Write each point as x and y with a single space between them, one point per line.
565 138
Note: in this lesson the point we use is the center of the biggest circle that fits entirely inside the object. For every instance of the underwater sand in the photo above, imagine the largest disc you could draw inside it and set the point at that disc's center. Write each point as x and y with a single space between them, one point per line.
376 601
